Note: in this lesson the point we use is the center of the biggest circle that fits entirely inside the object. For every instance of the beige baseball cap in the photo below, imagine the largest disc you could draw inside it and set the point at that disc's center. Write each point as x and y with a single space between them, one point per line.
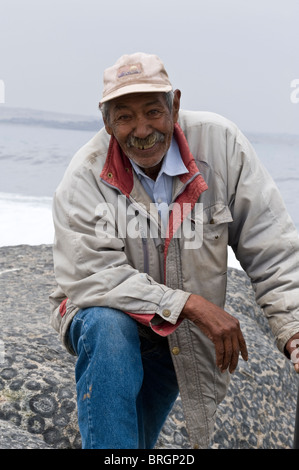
135 73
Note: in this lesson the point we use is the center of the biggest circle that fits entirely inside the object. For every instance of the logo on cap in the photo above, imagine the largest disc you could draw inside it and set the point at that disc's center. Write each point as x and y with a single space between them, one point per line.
129 70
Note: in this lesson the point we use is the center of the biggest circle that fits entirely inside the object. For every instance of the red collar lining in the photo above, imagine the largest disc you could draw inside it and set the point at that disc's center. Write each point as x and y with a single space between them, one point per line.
118 172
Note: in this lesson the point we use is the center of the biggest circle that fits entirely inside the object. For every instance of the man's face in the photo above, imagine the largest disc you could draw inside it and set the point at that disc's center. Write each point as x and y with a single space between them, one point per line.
143 126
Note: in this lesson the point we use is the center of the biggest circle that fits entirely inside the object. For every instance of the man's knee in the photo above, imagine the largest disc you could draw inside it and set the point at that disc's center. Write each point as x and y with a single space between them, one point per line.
103 325
108 319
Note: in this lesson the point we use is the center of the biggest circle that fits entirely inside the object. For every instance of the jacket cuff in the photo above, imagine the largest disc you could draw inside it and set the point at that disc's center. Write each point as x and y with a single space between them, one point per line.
284 337
172 304
166 320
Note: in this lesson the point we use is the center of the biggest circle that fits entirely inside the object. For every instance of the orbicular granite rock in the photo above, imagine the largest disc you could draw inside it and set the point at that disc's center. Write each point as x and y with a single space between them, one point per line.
37 386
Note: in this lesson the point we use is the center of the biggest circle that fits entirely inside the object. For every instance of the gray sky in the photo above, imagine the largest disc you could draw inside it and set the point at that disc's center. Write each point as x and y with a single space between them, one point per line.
234 57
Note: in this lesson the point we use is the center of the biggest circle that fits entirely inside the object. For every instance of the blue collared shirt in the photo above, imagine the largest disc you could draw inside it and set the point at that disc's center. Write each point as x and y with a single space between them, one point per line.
160 190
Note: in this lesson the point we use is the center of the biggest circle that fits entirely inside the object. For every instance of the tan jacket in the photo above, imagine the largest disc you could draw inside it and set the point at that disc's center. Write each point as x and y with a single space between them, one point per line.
232 201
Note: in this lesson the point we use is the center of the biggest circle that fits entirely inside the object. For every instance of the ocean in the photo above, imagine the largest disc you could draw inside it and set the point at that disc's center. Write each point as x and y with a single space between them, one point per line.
36 147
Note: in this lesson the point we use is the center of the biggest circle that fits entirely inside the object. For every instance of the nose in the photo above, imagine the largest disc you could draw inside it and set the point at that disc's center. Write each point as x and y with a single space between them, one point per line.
142 128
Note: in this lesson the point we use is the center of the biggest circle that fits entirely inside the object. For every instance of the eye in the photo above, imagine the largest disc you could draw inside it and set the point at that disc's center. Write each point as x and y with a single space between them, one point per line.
124 117
154 113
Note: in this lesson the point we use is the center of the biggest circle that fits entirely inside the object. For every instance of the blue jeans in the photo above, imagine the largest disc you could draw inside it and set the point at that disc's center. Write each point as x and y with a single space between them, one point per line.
126 383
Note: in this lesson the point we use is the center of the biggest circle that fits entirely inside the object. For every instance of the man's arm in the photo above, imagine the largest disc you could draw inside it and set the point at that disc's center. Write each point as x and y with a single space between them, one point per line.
266 243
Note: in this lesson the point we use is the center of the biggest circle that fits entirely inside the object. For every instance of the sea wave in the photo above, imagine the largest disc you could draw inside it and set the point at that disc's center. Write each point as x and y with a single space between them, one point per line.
25 220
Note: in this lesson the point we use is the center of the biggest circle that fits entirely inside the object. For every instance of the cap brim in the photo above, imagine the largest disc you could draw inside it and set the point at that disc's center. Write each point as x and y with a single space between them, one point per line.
136 88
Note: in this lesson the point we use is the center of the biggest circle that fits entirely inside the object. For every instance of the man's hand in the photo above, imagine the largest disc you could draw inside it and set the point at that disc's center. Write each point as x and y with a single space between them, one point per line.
220 327
292 348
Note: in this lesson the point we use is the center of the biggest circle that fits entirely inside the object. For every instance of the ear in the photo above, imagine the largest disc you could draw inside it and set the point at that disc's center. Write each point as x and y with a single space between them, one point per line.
107 127
106 124
176 105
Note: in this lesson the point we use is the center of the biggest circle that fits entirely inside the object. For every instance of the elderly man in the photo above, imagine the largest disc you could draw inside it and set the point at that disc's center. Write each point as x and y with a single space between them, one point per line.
143 218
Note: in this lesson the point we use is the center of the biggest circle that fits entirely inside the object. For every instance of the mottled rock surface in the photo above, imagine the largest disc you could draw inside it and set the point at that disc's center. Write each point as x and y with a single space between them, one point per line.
37 387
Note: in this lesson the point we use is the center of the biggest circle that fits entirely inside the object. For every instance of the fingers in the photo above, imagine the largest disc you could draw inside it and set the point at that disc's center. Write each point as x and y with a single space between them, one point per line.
228 350
293 348
243 347
227 355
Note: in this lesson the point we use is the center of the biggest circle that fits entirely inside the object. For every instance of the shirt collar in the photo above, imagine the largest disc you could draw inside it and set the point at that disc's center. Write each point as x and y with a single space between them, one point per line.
172 165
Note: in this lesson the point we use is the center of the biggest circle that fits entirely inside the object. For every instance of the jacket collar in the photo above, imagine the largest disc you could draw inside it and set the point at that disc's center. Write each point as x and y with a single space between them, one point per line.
118 171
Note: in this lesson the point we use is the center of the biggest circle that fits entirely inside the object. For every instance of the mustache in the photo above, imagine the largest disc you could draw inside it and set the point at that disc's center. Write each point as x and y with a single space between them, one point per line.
149 140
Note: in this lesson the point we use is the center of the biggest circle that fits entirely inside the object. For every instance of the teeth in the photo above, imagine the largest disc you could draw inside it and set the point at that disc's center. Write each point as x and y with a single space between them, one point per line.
145 144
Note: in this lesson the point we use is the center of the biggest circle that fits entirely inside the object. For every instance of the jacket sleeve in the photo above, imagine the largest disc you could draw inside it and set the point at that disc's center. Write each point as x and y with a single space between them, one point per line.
93 270
264 239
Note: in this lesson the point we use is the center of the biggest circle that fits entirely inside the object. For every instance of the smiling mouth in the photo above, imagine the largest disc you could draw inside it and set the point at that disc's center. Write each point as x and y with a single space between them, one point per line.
147 143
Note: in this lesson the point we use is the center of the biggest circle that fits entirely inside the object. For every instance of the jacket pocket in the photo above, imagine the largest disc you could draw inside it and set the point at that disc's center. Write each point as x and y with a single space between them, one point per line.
215 221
